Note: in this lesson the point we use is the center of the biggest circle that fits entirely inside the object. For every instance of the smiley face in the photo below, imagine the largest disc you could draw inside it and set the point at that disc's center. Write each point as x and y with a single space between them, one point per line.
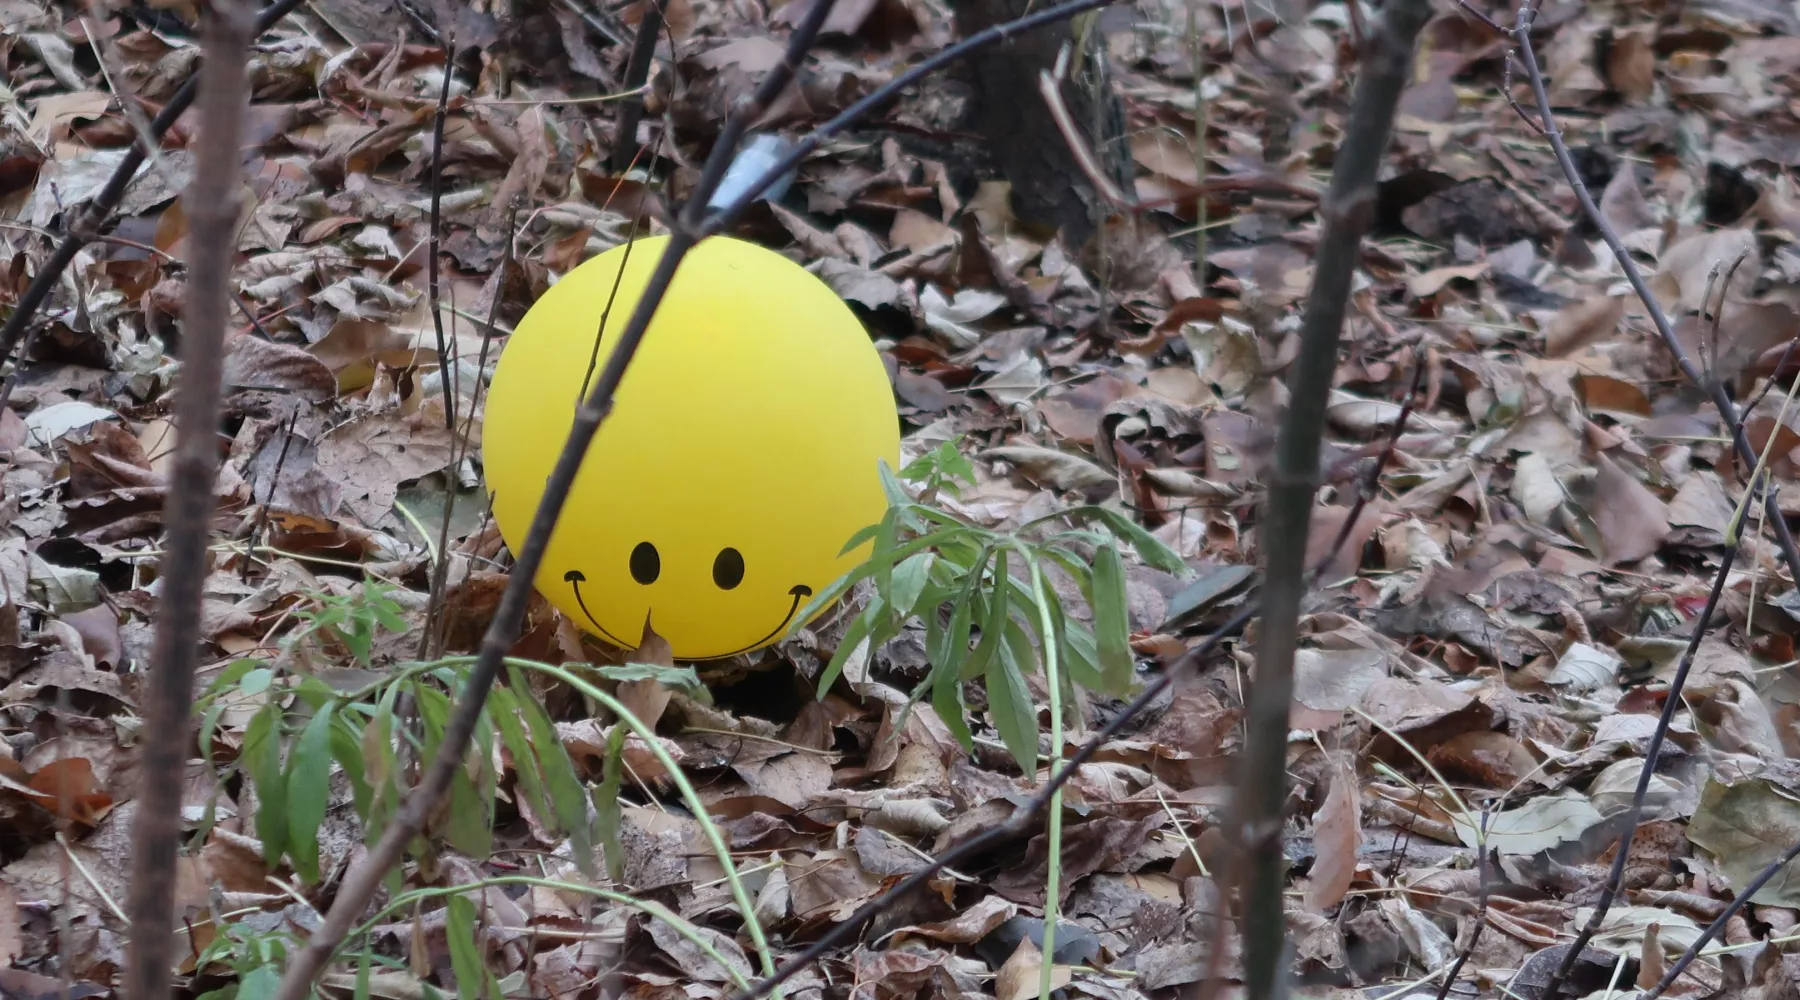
741 453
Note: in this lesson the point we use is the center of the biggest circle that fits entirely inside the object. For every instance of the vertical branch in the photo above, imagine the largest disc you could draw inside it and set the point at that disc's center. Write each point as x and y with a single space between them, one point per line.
434 601
637 72
212 206
1345 215
1707 382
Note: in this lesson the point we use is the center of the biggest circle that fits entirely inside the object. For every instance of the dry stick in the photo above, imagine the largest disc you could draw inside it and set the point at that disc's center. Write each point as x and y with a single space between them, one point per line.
1710 384
364 878
85 223
1617 875
637 71
1345 215
439 572
213 208
459 444
1712 930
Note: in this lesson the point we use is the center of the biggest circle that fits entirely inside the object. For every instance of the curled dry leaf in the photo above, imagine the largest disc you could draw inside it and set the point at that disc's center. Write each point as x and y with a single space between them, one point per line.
1337 838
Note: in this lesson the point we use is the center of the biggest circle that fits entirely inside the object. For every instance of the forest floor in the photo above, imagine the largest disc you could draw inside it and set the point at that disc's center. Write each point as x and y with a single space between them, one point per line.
1485 663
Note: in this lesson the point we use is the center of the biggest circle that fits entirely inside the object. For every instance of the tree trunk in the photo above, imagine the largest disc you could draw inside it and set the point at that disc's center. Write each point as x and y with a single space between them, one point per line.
1007 110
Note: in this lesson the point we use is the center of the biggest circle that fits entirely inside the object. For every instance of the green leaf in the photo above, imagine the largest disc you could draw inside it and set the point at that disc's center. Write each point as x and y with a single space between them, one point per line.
465 952
209 728
364 966
947 698
890 484
505 710
232 674
683 678
471 828
862 537
569 801
255 681
606 804
261 759
1009 702
881 560
346 749
309 788
1112 622
1148 546
996 604
910 578
1080 658
853 636
259 983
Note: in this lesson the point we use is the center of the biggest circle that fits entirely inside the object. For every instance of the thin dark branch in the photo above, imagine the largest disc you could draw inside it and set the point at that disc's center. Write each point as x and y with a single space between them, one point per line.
437 625
1713 387
1481 910
86 222
434 601
1258 807
637 71
262 514
212 206
364 878
1617 875
1718 925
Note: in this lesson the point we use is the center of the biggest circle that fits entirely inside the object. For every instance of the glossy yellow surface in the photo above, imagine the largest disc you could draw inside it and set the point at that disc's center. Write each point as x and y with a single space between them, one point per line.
741 454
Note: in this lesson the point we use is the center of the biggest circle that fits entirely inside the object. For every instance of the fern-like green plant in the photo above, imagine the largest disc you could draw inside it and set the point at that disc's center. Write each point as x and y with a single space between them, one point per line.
981 619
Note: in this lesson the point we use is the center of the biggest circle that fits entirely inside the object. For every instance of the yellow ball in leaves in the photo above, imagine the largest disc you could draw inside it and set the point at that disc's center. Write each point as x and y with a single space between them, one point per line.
741 454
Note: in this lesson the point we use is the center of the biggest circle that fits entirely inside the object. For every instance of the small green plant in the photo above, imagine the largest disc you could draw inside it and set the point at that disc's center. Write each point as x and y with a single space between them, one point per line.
256 956
982 619
351 620
302 727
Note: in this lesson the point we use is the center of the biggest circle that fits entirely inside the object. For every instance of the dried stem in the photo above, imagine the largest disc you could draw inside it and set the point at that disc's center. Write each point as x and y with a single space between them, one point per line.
1712 930
212 205
1617 875
439 571
637 71
364 878
1345 215
1712 386
84 224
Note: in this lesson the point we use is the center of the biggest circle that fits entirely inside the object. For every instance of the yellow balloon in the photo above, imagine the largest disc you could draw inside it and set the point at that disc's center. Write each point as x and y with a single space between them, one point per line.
741 454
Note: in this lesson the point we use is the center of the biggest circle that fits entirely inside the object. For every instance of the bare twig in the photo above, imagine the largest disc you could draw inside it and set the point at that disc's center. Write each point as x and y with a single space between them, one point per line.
1713 929
212 205
1520 34
364 878
1481 910
1345 215
637 71
1617 875
434 601
85 223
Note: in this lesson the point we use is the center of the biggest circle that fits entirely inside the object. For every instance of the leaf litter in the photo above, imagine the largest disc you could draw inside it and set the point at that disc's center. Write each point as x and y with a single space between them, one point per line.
1484 667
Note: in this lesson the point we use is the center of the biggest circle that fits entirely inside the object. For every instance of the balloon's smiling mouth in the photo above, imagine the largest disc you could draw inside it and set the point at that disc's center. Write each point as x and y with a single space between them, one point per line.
800 592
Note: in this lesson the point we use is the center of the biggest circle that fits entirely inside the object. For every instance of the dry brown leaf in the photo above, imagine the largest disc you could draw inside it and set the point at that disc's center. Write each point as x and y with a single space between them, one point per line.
1337 839
1581 323
1631 520
1020 977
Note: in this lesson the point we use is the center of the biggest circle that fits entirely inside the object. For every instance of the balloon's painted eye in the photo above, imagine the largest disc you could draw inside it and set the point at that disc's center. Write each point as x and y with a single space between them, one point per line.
728 568
646 565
